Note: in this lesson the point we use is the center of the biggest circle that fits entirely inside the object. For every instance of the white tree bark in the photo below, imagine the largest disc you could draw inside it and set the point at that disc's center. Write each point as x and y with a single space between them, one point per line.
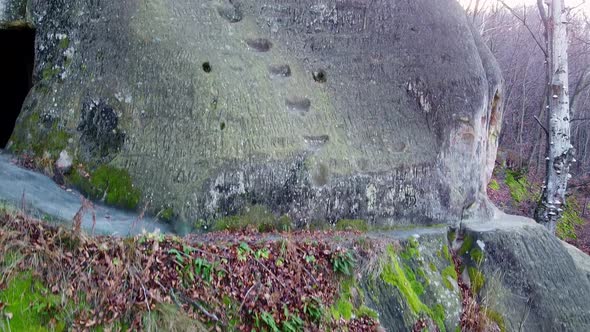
560 150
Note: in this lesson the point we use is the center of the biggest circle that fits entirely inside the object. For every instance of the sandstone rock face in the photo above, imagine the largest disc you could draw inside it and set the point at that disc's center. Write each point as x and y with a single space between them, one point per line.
383 110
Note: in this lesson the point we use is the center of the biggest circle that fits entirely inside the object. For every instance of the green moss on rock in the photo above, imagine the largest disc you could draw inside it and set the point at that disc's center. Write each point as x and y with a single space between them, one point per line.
167 214
108 182
394 274
116 184
467 245
449 272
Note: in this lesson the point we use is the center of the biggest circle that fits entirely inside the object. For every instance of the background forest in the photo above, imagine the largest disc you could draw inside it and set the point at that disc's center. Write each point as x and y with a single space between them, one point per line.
514 33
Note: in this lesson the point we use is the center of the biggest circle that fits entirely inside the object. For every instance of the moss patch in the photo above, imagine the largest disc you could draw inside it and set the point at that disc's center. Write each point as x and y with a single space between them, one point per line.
352 225
32 306
64 43
117 185
494 185
113 184
349 304
402 277
466 246
394 275
167 214
39 139
449 272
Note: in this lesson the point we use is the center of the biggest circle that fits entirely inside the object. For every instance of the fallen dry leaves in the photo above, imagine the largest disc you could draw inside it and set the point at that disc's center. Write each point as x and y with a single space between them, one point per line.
221 279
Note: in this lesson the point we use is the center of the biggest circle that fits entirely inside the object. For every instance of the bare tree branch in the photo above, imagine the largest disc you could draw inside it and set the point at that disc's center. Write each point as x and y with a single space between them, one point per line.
541 124
523 20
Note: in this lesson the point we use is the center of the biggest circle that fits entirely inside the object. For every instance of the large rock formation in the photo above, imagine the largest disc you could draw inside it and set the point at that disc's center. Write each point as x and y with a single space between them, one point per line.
383 110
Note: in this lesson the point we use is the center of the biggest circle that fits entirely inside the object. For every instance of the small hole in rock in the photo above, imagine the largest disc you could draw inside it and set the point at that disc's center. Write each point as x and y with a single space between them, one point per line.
222 126
319 76
207 67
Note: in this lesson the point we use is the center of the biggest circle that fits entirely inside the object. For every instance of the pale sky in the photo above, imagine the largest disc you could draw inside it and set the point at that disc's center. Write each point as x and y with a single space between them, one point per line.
569 3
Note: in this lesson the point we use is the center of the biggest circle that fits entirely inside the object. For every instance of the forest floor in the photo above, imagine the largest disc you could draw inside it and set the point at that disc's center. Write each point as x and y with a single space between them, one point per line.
582 241
517 192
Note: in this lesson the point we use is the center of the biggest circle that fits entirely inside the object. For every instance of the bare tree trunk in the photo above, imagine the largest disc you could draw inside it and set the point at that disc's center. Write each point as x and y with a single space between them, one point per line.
559 147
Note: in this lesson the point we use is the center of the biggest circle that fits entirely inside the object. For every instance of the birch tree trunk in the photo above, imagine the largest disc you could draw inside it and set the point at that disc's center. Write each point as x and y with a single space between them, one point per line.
559 148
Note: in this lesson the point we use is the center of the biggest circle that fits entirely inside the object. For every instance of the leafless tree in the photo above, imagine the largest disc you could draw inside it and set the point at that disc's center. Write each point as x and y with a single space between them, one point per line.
560 151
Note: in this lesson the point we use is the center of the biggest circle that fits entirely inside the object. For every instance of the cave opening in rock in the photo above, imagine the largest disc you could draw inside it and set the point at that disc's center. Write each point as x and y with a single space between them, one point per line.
16 76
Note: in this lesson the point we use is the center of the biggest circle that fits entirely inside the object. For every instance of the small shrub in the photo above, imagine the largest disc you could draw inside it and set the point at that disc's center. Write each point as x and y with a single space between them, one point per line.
343 262
314 309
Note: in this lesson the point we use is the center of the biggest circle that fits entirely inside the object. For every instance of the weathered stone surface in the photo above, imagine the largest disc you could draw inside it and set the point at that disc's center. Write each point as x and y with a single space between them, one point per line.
64 162
531 279
383 110
12 13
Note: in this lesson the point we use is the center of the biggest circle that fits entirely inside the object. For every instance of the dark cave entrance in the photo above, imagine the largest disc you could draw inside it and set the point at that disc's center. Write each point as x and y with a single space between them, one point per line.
16 76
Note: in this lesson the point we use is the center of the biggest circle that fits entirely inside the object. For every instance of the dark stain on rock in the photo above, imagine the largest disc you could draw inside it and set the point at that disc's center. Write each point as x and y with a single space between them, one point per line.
317 141
279 71
100 138
298 104
230 12
321 176
259 44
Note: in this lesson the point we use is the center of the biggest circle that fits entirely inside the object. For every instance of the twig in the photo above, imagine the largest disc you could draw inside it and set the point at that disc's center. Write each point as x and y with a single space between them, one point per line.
267 269
257 284
140 216
196 305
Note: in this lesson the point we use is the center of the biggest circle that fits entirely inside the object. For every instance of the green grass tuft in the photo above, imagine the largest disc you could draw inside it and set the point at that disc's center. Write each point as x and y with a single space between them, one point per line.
257 217
476 278
477 255
352 225
32 306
